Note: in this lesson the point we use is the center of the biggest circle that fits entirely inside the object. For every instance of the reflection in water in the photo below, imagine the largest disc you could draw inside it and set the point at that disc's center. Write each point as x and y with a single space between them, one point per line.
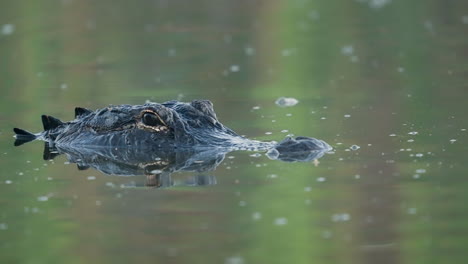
157 164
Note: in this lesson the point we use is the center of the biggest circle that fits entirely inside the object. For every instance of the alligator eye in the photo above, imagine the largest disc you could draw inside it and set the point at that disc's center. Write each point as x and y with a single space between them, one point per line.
150 119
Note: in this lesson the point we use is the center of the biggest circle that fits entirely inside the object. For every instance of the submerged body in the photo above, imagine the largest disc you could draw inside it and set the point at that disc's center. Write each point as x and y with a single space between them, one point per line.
173 124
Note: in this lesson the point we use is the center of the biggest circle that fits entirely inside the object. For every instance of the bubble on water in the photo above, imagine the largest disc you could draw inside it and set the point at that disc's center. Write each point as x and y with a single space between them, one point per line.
64 86
314 15
413 133
327 234
255 155
255 107
268 133
420 171
392 135
91 178
171 52
43 198
249 51
8 29
347 116
234 68
256 216
280 221
288 114
286 101
321 179
234 260
272 176
419 155
416 176
341 217
400 69
347 50
412 211
8 182
227 38
357 176
284 131
308 189
354 147
286 52
452 141
465 19
20 173
323 118
376 4
410 140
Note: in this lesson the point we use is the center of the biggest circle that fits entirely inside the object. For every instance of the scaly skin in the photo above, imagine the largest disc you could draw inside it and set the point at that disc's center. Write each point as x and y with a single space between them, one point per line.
172 124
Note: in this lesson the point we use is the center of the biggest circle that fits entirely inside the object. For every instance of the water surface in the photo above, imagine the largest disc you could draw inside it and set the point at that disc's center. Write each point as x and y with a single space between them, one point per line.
383 82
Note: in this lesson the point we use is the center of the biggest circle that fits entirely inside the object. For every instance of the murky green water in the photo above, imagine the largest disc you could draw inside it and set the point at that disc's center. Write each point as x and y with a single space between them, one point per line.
387 76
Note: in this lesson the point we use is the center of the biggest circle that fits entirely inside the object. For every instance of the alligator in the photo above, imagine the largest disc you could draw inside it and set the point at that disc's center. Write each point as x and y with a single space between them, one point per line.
172 125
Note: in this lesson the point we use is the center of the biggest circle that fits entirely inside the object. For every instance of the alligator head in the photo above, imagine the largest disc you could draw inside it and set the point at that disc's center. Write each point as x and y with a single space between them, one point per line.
171 124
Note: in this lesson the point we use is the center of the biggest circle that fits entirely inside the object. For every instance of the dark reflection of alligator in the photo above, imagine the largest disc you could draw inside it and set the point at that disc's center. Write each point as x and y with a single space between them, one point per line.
136 134
156 164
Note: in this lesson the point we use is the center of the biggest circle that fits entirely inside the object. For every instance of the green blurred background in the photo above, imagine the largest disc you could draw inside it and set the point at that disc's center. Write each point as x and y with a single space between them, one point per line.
387 75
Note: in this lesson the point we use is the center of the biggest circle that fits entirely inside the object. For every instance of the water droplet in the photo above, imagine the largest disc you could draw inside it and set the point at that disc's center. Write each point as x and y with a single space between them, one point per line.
256 216
91 178
42 198
347 50
354 147
234 260
234 68
286 101
249 51
281 221
8 29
